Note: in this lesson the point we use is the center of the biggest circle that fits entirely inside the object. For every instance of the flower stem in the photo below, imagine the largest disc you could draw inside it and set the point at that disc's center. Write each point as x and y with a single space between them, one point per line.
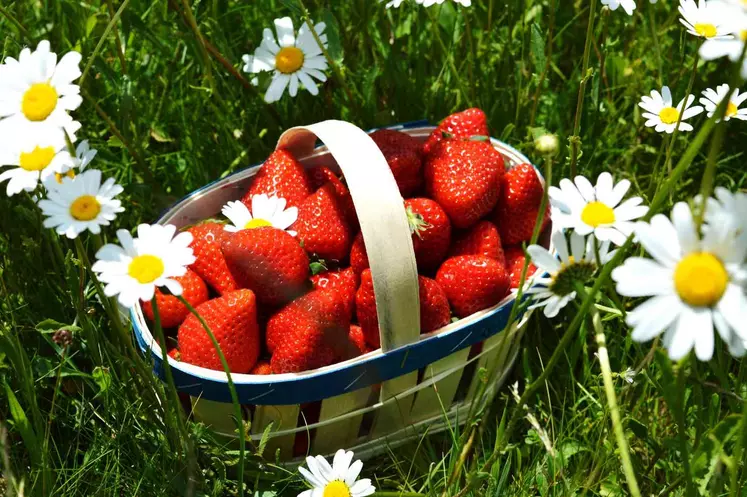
609 389
738 449
231 387
679 413
335 68
575 139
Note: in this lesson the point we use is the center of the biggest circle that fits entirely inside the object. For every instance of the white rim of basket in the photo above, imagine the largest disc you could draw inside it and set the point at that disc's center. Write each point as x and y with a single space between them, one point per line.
513 155
519 325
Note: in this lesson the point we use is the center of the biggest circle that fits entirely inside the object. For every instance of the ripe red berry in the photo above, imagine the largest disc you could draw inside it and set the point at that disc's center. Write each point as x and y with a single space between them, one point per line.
460 126
431 232
170 309
518 204
473 283
283 176
404 155
209 262
481 239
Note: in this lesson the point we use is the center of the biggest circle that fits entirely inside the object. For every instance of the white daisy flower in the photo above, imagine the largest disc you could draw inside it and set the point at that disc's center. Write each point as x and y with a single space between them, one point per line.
338 480
596 209
730 47
266 211
294 60
705 19
695 285
33 160
579 265
627 5
134 270
727 209
428 3
711 98
81 203
84 154
36 92
663 116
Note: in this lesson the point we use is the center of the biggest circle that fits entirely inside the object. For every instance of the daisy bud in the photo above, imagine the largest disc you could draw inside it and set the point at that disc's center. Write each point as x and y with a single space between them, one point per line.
546 144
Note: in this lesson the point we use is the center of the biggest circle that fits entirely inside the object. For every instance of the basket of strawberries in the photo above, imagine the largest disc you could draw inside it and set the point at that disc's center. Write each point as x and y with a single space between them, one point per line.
359 286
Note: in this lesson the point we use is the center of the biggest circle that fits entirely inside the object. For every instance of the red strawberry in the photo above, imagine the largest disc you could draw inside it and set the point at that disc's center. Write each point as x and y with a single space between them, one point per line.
171 310
210 264
473 283
280 175
320 176
481 239
261 368
356 336
431 231
518 204
459 126
358 256
268 261
309 333
344 281
405 157
464 178
515 263
233 320
434 307
322 225
175 354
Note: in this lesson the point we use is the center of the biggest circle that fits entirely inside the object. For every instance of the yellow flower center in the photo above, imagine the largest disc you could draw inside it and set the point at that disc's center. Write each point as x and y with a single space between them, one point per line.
37 159
256 223
705 30
743 34
58 176
289 60
146 268
596 214
700 279
39 101
669 115
336 488
731 109
85 208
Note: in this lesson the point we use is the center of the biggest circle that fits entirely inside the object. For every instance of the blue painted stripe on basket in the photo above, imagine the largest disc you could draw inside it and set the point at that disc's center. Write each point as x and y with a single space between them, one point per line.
267 390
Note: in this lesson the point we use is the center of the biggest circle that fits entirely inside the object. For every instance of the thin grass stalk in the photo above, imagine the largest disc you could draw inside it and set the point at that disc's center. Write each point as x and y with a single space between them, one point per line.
112 23
575 139
548 61
609 389
231 388
679 414
192 23
117 40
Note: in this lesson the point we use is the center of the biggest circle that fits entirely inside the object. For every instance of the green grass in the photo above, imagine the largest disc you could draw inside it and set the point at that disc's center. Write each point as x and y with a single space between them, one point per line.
167 117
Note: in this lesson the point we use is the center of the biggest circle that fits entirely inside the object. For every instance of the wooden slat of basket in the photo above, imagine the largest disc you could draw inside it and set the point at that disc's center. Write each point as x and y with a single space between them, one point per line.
437 398
394 415
493 361
217 415
343 433
283 418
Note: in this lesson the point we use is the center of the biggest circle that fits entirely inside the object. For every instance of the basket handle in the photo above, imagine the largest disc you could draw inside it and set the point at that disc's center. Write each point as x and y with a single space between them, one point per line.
381 212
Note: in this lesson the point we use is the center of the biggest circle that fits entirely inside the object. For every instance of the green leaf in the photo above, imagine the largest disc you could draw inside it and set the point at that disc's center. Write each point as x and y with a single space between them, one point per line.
332 30
22 424
265 438
103 378
538 48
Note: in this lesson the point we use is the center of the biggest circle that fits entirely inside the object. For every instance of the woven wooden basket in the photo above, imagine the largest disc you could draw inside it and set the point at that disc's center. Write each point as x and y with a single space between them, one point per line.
370 403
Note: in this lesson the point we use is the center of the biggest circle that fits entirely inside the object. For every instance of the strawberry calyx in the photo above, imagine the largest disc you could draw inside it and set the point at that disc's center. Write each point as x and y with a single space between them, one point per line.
479 138
318 266
416 222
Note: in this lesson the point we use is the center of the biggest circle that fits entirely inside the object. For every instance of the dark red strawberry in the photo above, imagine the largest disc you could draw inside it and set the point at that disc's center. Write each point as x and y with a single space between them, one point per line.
434 307
481 239
515 263
358 256
233 320
431 231
210 264
309 333
473 283
405 157
356 336
261 368
171 310
464 178
268 261
518 204
344 281
175 354
322 225
281 175
320 176
460 126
